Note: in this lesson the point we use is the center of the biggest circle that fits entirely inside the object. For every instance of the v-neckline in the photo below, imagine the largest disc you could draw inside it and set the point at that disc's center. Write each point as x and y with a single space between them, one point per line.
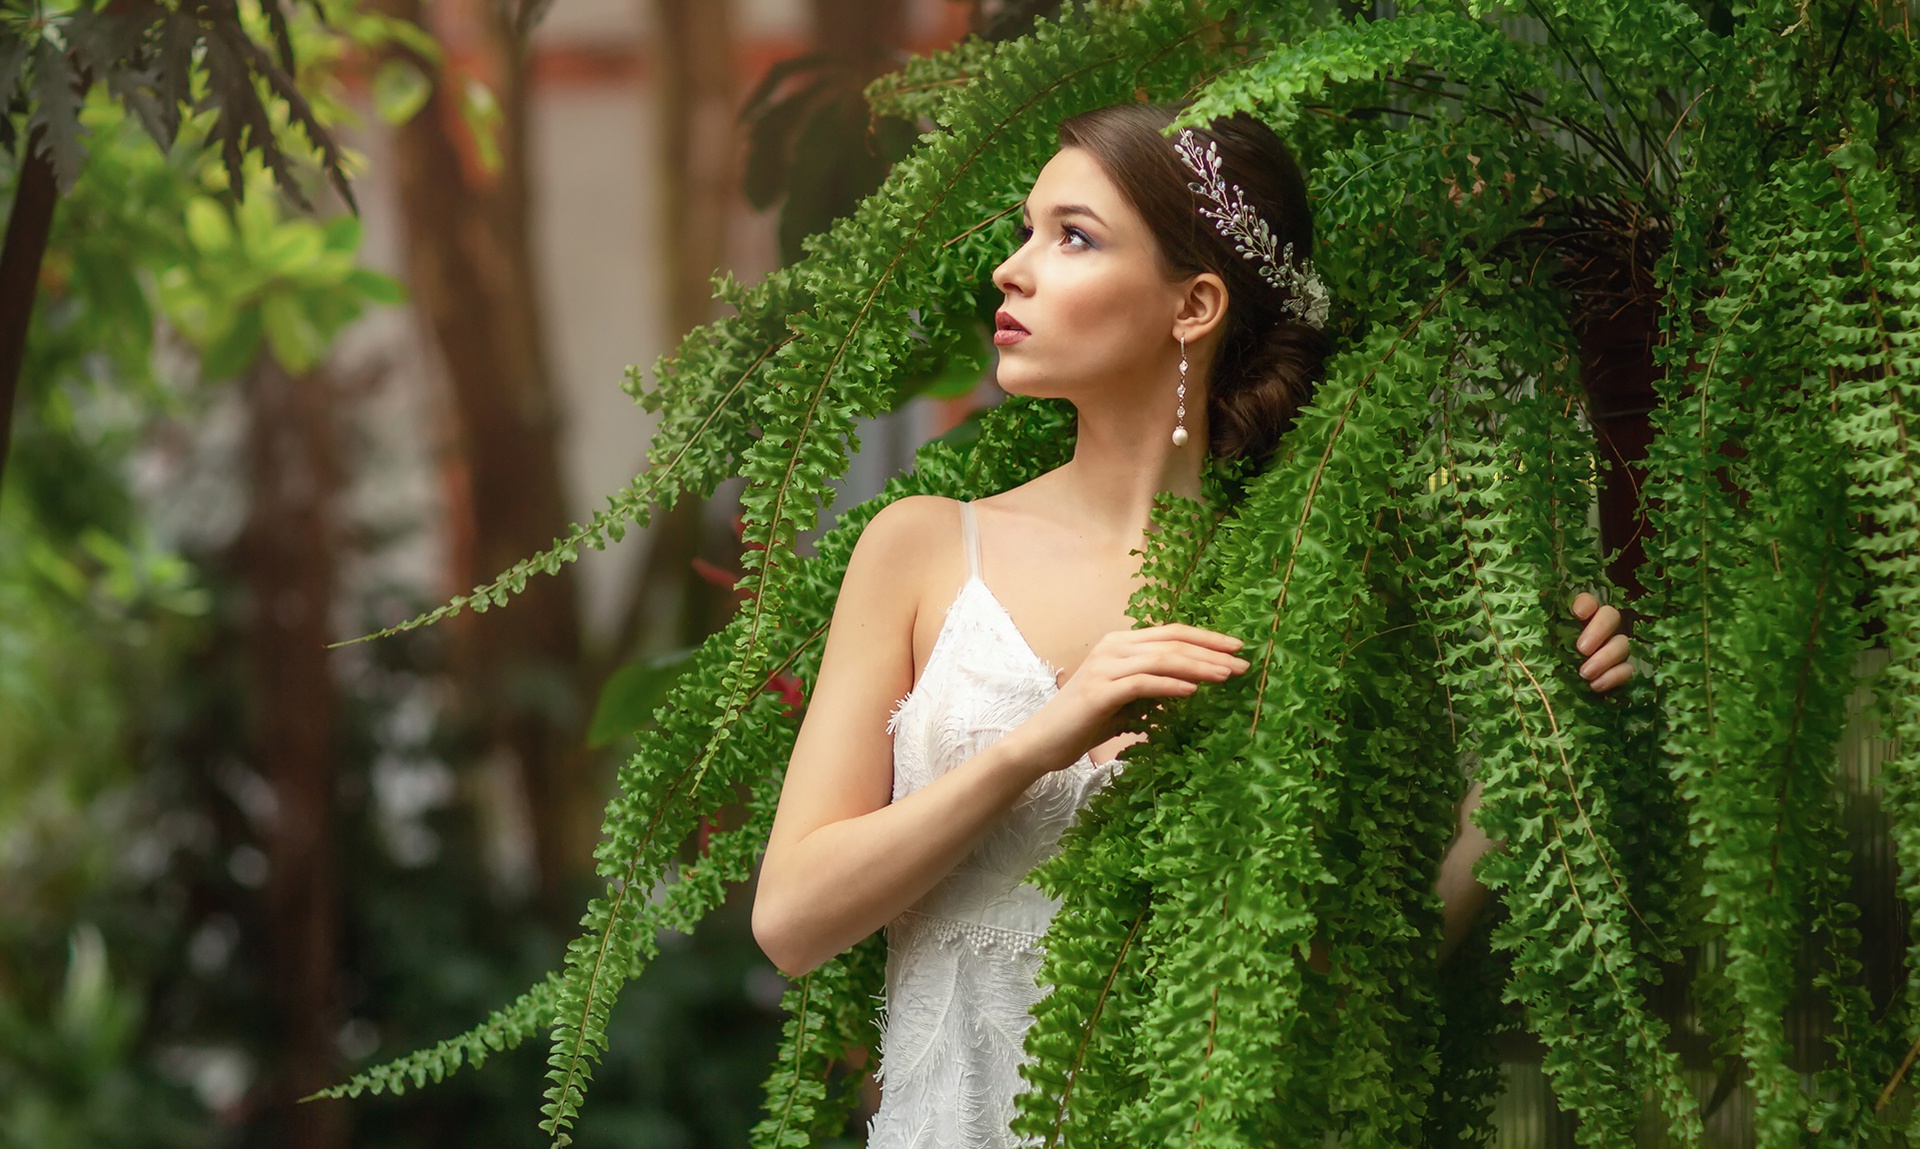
1050 673
941 640
970 532
1053 672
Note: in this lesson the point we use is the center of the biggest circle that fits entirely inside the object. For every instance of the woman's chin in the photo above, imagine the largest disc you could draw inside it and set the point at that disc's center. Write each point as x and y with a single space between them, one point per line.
1018 378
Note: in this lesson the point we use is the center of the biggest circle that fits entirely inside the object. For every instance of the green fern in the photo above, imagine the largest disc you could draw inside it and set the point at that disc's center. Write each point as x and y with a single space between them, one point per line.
1401 573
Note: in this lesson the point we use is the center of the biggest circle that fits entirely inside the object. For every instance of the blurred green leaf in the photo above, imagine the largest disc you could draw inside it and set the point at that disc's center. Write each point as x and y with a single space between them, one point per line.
631 695
291 335
228 356
342 233
481 113
291 248
399 91
377 287
208 226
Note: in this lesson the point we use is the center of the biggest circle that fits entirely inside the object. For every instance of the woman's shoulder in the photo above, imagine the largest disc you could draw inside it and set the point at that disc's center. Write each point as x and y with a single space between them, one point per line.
910 537
912 521
902 553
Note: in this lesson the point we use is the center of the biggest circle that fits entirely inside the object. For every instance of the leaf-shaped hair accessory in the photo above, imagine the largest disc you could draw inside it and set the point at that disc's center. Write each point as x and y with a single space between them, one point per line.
1236 219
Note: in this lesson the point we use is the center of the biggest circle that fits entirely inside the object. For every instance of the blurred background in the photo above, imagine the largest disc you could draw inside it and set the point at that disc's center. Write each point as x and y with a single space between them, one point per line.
237 865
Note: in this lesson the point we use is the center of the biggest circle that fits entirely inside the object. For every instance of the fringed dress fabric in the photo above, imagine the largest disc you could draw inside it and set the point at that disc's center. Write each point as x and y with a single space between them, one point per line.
962 963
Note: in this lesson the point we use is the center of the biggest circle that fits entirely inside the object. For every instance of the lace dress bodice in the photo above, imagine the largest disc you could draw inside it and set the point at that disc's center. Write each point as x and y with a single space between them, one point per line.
962 963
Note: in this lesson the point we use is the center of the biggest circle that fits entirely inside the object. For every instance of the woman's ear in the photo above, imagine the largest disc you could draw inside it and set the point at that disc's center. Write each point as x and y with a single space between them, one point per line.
1202 308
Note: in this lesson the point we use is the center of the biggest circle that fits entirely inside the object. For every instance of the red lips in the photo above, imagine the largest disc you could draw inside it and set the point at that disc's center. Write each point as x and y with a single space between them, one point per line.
1007 330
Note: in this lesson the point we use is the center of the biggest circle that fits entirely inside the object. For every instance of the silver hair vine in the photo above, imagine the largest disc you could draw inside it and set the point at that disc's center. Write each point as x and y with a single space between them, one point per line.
1234 218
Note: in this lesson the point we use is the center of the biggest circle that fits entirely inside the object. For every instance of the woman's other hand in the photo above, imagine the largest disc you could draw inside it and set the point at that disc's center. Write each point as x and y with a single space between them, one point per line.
1167 661
1606 666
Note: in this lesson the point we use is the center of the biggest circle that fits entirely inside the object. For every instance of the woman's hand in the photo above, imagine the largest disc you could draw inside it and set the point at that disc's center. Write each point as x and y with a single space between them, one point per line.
1168 661
1606 666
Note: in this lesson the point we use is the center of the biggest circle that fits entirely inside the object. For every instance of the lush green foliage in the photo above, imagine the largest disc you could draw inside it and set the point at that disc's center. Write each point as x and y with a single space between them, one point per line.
223 76
1401 573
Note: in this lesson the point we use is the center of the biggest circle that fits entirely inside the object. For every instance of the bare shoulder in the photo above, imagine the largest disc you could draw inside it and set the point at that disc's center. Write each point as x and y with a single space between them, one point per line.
901 556
899 562
906 533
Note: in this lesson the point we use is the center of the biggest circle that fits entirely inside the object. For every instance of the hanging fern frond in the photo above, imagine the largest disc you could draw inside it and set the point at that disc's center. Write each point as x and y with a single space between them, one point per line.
812 1089
1570 911
1865 319
1079 1050
1771 645
504 1029
923 85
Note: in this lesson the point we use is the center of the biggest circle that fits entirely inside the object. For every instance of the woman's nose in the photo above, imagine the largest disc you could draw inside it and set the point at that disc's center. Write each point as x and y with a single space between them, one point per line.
1007 277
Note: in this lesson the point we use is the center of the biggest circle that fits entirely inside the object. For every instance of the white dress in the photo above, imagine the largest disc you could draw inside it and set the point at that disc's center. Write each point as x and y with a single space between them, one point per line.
961 964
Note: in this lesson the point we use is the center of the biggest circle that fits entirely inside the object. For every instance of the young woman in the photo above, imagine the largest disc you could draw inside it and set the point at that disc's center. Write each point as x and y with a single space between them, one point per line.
980 653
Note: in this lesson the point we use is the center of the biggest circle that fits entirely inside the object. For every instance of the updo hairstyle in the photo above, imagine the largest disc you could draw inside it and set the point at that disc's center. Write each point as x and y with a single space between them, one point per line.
1268 363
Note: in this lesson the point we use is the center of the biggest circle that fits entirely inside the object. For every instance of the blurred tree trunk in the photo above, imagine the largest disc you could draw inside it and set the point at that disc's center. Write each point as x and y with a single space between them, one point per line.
29 224
699 142
1616 320
286 561
1618 371
698 185
471 270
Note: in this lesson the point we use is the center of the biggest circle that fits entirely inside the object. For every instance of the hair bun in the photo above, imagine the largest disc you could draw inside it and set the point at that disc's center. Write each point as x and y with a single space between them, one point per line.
1273 379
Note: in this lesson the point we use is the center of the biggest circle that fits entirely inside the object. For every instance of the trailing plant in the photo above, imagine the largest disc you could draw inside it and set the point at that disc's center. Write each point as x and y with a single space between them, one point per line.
1493 187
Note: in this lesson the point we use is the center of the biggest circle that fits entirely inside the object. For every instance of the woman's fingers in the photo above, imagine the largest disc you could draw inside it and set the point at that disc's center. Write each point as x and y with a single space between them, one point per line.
1135 686
1133 668
1612 678
1606 666
1606 658
1599 629
1176 656
1127 666
1212 639
1189 663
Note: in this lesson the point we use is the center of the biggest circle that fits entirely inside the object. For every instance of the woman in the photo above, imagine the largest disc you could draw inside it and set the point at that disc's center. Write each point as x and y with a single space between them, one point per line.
1126 299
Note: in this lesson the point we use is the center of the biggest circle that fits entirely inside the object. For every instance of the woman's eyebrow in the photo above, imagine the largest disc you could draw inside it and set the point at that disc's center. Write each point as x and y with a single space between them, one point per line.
1026 212
1078 209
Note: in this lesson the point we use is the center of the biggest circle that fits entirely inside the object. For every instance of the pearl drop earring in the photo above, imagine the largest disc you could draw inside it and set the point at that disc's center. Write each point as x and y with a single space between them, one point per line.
1180 414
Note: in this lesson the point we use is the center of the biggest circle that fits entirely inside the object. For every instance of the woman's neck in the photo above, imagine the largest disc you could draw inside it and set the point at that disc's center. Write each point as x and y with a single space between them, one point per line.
1122 458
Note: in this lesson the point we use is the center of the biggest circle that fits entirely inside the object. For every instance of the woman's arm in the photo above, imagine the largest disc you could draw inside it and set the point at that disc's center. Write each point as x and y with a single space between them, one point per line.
1461 895
842 860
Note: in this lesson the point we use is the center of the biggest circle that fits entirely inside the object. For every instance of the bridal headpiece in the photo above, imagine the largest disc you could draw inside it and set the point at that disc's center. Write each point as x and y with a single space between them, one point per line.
1234 218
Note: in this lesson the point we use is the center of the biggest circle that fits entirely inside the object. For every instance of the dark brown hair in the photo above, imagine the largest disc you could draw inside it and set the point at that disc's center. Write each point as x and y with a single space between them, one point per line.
1268 363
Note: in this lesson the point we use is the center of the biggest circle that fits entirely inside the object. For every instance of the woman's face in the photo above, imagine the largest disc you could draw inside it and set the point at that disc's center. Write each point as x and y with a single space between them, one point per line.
1088 310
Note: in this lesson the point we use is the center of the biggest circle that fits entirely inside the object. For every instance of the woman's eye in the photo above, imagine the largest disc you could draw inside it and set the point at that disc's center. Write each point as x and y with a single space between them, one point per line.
1074 237
1023 233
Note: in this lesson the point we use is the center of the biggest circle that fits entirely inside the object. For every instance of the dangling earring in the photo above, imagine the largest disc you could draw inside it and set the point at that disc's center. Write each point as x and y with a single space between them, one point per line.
1180 413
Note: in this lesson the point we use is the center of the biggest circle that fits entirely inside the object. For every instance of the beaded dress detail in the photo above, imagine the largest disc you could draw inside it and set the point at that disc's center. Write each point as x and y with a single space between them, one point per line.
962 963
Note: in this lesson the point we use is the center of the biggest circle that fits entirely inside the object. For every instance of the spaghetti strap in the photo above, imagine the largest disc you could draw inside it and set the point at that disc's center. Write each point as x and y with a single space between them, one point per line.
970 535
